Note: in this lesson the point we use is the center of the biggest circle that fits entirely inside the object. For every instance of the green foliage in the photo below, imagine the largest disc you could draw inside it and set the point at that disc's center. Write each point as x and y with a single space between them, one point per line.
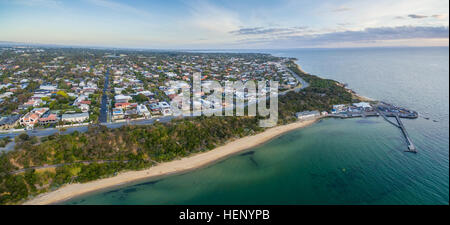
63 85
4 141
140 98
62 94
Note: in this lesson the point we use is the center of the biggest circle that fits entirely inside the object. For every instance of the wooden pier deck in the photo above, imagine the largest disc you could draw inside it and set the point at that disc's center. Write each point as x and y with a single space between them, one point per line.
411 147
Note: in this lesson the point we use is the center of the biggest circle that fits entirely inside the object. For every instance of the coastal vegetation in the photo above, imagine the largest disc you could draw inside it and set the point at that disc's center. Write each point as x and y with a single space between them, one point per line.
41 165
4 141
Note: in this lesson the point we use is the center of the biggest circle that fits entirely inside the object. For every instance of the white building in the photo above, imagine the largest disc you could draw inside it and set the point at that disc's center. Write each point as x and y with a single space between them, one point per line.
364 105
76 117
165 108
171 74
164 105
339 108
84 107
48 87
143 111
6 94
307 115
146 93
118 90
117 113
122 98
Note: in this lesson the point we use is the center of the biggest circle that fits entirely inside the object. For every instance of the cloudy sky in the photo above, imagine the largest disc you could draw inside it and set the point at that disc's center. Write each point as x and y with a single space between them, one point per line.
226 23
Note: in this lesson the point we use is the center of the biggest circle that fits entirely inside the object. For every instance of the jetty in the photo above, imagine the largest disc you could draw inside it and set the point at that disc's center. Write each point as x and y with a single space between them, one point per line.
388 110
388 120
411 147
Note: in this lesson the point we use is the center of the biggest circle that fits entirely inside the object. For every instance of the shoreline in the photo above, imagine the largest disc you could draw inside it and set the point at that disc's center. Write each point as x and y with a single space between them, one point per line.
185 164
355 95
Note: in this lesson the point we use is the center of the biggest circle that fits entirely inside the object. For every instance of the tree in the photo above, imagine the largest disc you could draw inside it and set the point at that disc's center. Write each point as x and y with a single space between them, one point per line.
140 98
62 94
23 137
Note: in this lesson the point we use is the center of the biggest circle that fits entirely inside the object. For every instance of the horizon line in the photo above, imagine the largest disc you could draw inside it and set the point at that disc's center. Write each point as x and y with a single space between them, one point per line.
33 44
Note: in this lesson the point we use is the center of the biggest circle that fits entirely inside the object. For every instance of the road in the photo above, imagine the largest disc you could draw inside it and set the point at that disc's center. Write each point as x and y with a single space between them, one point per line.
303 82
104 105
104 112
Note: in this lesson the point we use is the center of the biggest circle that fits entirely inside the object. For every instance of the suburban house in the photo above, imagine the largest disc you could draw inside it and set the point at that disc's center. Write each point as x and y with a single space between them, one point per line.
165 108
154 107
122 98
146 93
143 111
75 117
33 103
31 118
125 105
48 87
84 107
9 121
117 113
48 119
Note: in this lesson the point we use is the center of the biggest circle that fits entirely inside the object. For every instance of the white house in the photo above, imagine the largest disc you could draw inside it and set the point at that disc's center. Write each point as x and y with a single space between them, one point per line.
146 93
84 107
75 117
122 98
6 94
143 111
117 113
165 108
48 87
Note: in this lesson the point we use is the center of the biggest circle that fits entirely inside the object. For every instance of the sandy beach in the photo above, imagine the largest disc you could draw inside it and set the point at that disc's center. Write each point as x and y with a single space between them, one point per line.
166 168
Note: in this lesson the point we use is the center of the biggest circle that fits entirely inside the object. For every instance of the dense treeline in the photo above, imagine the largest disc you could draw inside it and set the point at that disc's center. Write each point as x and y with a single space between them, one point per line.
321 95
101 152
128 147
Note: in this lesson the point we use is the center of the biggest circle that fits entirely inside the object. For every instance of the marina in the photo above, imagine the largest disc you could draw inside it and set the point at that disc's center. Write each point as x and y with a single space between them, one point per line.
382 109
388 110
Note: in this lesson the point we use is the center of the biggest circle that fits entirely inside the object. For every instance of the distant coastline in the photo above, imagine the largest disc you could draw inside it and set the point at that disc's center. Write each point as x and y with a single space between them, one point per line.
167 168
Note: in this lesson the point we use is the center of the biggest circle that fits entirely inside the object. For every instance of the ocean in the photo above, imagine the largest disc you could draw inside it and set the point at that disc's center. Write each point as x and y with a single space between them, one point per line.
335 161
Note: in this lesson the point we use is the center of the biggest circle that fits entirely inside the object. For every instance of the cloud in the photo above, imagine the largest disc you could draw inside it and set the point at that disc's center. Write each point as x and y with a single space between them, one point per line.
341 9
416 16
440 16
367 35
344 24
212 18
264 31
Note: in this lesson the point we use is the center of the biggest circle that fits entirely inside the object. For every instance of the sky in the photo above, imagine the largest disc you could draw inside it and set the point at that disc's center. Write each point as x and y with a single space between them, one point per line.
226 24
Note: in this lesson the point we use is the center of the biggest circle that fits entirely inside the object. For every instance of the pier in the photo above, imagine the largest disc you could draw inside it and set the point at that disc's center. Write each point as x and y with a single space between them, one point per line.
388 120
387 110
411 147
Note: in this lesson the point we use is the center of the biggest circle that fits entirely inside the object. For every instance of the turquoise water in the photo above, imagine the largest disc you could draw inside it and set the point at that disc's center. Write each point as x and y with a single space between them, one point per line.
355 161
